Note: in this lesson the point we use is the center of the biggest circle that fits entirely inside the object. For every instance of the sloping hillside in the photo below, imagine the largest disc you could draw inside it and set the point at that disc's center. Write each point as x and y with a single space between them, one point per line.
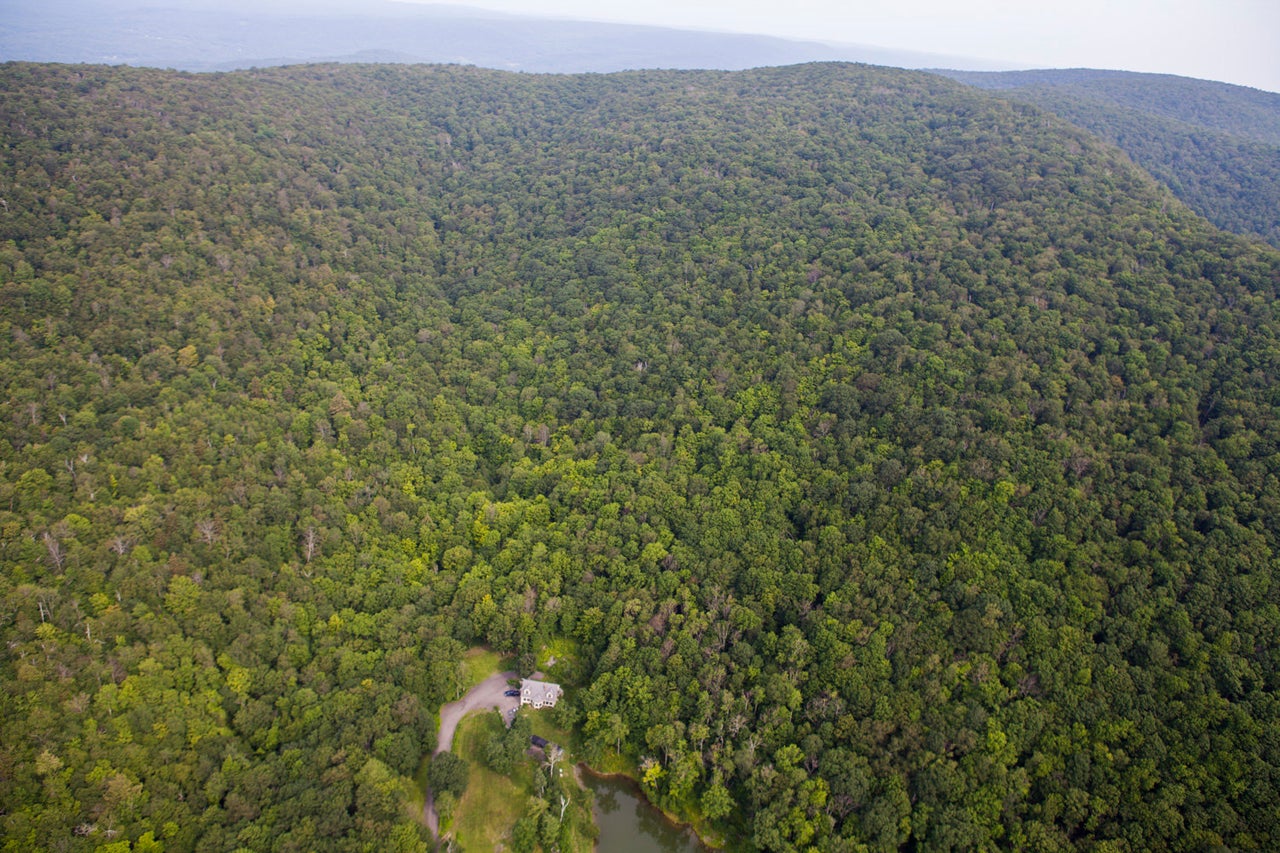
900 461
1215 145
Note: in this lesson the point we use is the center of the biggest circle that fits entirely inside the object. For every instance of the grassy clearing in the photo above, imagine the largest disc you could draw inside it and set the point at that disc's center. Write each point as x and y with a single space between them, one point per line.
543 726
480 663
492 803
418 794
559 660
616 764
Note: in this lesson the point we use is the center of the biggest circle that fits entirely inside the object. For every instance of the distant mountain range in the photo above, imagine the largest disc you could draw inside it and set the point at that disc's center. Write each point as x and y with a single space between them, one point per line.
1217 146
197 35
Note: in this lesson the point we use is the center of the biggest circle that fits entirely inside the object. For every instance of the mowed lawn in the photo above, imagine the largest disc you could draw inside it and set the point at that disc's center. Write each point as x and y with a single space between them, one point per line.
492 803
480 663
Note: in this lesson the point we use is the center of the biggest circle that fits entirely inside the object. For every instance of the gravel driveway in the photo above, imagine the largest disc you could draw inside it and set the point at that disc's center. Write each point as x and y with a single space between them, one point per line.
485 695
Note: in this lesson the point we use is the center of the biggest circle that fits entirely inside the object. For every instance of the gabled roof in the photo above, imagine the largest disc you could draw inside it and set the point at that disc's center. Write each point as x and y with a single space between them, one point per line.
542 687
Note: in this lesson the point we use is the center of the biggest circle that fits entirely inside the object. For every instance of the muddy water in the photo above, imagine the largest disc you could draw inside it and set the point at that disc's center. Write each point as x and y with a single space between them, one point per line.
628 824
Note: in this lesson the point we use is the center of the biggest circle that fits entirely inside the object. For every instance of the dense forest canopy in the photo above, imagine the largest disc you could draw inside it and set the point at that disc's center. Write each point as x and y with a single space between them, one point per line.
1217 146
1238 110
902 460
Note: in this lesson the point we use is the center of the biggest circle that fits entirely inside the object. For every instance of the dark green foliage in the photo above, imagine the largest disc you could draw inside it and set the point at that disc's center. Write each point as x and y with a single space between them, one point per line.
448 774
1215 145
901 460
508 747
1236 110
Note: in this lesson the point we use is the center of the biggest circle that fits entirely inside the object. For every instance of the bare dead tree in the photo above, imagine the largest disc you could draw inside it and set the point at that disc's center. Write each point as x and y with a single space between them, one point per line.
57 556
310 542
554 755
208 530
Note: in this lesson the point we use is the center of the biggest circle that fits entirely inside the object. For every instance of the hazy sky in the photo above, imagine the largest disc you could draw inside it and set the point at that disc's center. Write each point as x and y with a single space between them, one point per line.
1237 41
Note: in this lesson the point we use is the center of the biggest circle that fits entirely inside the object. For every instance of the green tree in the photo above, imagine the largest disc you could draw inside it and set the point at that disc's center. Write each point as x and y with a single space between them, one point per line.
448 773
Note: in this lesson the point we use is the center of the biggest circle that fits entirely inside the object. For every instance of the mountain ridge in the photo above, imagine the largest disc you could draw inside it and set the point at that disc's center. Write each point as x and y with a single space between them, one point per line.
1215 144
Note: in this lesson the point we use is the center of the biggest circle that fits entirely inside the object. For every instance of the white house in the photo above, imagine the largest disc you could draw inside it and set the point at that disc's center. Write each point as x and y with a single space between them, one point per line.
539 694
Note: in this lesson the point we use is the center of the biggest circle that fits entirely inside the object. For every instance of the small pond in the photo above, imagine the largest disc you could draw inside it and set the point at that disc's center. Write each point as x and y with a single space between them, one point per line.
628 824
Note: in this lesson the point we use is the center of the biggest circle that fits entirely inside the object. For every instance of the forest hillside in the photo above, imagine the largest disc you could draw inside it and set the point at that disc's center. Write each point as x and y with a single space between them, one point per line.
1217 146
900 460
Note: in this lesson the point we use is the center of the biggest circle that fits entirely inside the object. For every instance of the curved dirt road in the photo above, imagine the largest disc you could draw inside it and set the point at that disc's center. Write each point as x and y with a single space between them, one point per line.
487 694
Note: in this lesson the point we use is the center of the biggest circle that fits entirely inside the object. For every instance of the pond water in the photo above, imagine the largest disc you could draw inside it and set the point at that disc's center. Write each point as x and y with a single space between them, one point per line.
628 824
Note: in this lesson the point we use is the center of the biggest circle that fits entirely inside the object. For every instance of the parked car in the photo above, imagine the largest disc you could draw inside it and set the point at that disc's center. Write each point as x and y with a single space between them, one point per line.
511 693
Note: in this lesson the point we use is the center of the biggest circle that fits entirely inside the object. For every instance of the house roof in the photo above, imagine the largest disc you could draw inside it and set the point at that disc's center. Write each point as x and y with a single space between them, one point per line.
540 687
